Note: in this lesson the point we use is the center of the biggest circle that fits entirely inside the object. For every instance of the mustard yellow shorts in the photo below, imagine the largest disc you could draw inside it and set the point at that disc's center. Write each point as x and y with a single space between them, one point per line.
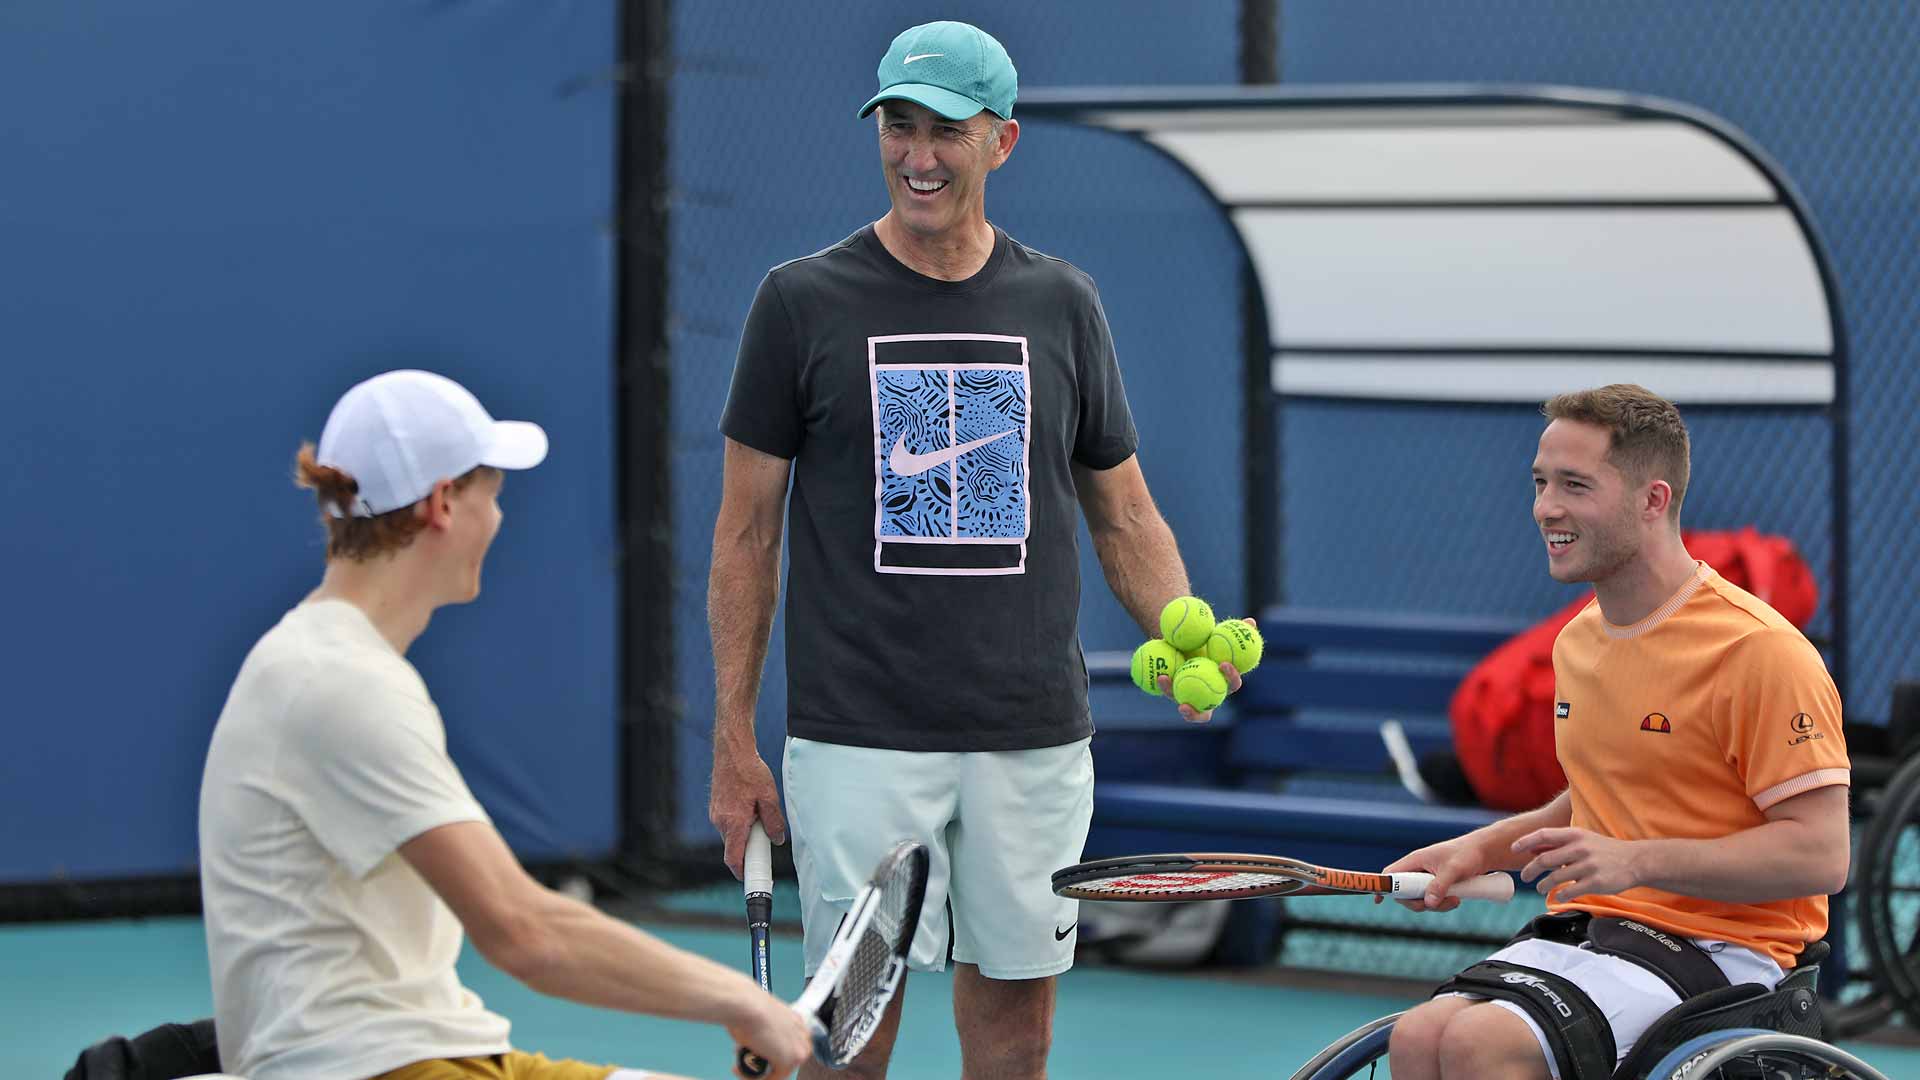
513 1065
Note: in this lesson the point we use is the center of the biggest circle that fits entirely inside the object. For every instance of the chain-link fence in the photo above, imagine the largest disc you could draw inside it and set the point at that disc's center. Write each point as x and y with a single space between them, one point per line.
1829 91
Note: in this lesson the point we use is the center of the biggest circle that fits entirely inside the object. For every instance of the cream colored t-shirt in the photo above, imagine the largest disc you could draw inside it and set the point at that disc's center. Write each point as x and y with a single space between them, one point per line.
332 959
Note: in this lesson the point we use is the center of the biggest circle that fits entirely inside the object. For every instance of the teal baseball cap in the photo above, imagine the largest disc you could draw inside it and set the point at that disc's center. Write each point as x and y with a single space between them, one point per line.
954 68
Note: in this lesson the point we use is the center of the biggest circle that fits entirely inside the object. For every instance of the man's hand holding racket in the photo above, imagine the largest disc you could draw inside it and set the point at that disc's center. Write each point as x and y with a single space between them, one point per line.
743 793
780 1037
1451 862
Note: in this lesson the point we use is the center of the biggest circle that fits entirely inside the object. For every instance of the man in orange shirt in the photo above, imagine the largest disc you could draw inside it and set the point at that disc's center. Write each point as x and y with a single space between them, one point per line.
1705 818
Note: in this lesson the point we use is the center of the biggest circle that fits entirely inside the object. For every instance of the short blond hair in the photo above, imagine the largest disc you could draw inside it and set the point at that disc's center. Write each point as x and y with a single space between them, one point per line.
1649 439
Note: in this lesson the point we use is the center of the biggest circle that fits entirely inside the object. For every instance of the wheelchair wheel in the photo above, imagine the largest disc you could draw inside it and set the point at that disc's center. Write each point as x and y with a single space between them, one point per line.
1354 1055
1752 1054
1889 889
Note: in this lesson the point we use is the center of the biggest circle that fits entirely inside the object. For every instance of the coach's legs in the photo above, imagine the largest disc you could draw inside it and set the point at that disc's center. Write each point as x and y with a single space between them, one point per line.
1023 815
870 1063
1005 1025
846 807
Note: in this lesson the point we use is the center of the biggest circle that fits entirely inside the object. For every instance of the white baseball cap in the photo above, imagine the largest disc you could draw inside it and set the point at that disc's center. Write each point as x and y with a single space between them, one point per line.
400 433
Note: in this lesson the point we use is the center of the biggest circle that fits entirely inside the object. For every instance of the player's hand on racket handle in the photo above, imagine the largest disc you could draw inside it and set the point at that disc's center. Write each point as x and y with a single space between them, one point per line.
743 792
1450 862
774 1033
1188 712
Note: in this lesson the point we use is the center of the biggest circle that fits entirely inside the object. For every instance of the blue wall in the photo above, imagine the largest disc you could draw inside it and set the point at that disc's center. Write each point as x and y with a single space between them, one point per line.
214 218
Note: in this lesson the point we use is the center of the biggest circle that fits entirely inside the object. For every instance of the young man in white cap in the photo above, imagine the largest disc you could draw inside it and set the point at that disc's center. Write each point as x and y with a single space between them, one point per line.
341 852
946 402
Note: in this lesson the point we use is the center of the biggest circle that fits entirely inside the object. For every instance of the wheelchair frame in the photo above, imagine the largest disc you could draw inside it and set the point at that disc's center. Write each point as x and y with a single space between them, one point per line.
1695 1056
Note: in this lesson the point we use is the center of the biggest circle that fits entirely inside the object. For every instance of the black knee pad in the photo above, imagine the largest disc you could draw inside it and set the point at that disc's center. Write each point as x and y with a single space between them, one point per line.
1576 1029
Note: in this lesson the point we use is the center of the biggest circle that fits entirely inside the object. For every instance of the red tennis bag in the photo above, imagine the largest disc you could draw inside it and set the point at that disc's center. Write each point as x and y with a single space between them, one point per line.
1502 712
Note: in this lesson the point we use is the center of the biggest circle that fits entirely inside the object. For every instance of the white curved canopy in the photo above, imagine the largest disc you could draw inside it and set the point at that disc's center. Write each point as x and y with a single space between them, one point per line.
1466 244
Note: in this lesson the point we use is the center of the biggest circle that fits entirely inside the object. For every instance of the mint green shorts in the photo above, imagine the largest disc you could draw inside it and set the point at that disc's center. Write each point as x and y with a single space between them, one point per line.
996 823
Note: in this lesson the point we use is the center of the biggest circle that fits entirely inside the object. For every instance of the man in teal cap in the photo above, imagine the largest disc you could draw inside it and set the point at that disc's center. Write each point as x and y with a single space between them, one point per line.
956 82
931 405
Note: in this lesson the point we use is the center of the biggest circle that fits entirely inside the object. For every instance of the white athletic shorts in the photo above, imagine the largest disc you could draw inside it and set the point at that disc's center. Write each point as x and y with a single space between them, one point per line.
1631 996
996 823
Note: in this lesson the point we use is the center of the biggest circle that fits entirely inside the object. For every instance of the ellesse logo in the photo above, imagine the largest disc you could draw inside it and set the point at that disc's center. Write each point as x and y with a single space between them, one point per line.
1654 721
1802 725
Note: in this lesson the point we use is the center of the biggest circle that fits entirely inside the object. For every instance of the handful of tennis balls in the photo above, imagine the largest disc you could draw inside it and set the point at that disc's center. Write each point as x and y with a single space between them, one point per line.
1190 649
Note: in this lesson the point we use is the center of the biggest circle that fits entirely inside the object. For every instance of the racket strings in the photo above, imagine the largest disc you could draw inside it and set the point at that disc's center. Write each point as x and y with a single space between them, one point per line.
863 996
873 972
1196 883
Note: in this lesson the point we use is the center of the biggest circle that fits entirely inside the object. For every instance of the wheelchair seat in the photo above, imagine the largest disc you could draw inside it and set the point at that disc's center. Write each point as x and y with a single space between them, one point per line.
167 1052
1792 1007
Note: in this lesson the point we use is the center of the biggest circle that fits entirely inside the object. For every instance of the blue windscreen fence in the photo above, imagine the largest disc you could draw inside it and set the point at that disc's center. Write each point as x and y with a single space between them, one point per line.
1827 91
214 219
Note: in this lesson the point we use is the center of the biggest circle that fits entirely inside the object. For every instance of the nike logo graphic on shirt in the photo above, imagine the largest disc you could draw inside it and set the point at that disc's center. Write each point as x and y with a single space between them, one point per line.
905 462
1061 935
920 56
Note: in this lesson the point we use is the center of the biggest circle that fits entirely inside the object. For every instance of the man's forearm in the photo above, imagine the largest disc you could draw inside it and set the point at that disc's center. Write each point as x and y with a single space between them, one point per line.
742 589
590 958
1780 860
1142 564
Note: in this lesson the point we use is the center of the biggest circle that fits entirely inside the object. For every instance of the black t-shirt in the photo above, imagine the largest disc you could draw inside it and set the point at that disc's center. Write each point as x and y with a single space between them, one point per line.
934 586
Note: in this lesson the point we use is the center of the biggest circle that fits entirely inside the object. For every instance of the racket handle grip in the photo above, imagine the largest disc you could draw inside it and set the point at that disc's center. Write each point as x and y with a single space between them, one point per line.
749 1064
1496 886
759 862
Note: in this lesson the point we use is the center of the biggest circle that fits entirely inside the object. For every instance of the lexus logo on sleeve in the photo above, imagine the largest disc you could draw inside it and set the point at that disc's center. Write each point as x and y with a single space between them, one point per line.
1803 732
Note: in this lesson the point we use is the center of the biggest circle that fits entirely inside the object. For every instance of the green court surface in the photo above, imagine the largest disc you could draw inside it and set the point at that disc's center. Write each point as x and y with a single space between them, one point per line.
67 985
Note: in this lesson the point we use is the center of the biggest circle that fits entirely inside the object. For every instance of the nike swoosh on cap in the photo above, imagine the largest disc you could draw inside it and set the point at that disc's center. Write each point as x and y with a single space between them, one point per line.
905 462
921 56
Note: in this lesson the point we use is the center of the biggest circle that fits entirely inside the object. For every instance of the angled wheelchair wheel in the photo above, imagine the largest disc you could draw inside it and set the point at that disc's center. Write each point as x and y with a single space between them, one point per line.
1753 1054
1356 1055
1888 889
1860 1016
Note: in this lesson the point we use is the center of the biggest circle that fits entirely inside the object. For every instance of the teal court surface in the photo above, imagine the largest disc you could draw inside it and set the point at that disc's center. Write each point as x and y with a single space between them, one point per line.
68 985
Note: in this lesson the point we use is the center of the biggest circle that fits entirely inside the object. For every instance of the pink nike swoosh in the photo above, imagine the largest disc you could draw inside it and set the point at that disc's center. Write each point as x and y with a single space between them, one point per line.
906 463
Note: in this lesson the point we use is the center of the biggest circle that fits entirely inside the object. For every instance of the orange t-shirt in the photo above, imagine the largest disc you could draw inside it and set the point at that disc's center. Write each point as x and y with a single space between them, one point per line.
1688 725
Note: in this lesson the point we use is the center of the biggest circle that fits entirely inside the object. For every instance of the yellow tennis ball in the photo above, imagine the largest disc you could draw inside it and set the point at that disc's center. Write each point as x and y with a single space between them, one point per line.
1186 622
1234 642
1152 660
1199 685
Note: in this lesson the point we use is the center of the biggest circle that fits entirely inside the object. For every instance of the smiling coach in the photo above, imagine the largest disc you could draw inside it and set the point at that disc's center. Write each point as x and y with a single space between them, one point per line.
941 397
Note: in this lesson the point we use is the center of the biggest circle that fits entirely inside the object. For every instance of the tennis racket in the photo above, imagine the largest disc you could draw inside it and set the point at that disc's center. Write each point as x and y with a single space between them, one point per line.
865 962
1170 878
759 883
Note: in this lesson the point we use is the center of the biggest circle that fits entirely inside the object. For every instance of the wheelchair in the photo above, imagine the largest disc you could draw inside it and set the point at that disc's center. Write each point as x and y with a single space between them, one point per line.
1731 1034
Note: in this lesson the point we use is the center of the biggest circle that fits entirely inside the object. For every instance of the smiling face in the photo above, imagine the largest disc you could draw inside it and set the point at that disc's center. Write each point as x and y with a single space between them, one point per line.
936 169
1592 517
